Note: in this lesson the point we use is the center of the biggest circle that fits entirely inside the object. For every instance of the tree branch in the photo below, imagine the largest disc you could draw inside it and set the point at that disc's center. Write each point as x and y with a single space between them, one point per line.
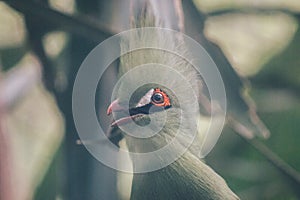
77 25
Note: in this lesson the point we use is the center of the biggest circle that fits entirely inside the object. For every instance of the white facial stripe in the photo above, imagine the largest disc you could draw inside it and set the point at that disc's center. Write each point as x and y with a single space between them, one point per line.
146 98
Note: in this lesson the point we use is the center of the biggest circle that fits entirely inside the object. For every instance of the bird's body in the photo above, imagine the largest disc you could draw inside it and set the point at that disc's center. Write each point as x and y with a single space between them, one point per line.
188 177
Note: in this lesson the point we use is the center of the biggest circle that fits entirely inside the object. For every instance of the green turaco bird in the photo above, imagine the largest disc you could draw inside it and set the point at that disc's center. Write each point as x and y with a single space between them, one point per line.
188 177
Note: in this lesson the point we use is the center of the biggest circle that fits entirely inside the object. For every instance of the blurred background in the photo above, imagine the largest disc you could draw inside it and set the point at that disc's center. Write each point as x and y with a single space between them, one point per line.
42 45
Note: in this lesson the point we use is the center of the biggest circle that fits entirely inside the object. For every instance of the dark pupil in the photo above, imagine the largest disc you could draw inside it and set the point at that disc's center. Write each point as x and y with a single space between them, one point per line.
158 98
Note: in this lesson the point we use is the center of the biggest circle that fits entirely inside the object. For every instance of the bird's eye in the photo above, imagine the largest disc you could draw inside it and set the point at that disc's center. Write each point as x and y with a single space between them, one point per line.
160 98
157 98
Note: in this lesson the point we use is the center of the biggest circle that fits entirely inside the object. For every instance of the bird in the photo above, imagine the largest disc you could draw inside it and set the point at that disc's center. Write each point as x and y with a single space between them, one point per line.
188 177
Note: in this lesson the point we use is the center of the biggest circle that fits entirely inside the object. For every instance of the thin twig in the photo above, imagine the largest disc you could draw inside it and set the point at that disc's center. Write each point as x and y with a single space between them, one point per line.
35 36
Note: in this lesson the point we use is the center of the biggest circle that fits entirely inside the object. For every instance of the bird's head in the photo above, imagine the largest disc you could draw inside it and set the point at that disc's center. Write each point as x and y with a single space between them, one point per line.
156 97
152 104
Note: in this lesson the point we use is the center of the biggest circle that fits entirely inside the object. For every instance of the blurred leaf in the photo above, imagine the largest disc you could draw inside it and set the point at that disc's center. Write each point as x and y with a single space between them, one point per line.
214 5
249 40
36 127
283 71
12 25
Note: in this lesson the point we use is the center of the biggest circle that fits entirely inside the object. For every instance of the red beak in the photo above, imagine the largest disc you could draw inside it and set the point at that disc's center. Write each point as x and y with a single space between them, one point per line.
114 106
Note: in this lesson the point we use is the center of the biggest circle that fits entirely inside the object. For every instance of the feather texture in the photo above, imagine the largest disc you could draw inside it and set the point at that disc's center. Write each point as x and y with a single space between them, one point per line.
188 177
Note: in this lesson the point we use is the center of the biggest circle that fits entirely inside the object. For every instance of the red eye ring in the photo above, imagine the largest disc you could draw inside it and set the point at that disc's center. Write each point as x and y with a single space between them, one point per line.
160 98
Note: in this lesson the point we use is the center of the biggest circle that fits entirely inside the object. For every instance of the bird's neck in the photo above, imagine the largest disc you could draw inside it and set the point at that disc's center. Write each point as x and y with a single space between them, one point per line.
186 178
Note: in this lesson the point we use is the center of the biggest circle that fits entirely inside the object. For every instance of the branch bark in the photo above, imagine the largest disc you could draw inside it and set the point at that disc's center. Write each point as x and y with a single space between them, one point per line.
78 25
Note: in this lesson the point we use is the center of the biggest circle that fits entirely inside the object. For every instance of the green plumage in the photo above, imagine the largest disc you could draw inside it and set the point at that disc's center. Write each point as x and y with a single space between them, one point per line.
188 177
